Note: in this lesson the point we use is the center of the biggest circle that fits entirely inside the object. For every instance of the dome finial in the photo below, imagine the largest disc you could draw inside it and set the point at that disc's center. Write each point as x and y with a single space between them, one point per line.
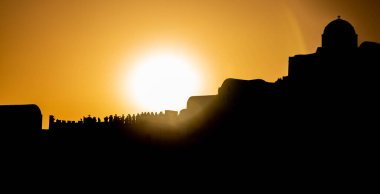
338 17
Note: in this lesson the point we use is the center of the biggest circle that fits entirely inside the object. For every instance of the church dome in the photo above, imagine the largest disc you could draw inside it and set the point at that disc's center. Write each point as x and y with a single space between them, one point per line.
339 34
339 26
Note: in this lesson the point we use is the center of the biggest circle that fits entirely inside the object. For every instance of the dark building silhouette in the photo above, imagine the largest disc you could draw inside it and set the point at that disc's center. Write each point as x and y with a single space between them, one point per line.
338 69
20 125
338 58
339 35
21 118
196 104
323 110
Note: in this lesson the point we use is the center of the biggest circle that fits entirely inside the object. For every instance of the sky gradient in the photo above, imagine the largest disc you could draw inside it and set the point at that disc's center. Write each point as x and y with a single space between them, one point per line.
72 57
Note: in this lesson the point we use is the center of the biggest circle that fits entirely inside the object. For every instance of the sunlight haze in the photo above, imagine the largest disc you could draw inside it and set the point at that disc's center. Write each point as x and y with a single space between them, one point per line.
75 57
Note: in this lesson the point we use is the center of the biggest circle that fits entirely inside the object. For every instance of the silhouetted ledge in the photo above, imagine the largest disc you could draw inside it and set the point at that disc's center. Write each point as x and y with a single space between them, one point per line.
199 102
367 45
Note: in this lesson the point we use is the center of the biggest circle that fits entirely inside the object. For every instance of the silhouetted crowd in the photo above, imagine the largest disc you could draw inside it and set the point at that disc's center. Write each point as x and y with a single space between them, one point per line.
116 120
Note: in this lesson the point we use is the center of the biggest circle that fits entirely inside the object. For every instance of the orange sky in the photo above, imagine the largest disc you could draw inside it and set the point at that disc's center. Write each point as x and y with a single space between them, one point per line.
71 57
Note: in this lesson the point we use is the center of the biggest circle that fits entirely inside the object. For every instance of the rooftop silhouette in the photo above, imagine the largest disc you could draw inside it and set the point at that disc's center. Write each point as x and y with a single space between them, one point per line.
324 105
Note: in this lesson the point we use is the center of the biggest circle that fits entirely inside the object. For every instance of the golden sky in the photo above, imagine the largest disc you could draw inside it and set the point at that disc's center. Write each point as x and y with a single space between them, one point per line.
71 57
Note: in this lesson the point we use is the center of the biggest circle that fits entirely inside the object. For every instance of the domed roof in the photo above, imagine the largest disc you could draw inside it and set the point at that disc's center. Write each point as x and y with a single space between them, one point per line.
339 26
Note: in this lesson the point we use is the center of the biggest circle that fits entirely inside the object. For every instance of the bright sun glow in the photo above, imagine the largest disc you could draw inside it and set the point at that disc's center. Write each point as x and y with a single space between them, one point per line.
163 80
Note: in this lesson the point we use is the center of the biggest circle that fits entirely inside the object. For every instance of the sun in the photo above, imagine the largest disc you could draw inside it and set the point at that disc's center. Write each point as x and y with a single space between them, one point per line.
163 80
